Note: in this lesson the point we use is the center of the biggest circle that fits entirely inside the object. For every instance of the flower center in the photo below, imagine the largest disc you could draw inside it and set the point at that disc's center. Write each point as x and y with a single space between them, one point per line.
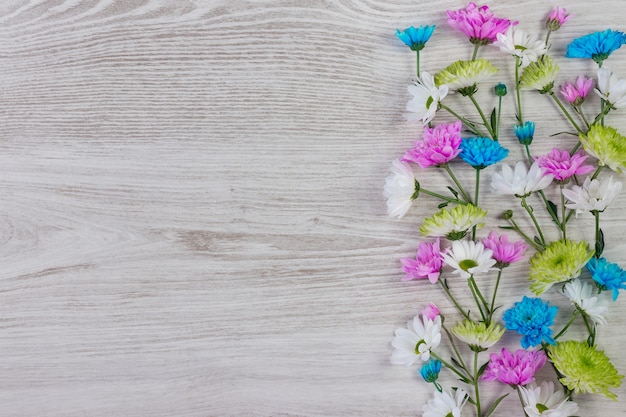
466 264
541 408
417 347
429 101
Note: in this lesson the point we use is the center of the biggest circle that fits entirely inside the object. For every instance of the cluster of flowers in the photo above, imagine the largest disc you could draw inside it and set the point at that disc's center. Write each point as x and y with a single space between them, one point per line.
574 269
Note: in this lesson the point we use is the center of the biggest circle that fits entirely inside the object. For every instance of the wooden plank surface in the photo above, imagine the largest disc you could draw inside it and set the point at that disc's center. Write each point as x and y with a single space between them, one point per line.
192 220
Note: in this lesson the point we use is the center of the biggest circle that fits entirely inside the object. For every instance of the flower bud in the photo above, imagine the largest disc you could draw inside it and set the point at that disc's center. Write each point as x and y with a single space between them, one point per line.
500 90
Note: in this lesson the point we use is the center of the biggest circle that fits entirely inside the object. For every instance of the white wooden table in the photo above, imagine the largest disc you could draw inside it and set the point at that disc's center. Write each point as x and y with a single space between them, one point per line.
192 220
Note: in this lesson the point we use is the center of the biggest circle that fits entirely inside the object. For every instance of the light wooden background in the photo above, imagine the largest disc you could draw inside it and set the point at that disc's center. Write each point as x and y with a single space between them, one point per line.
192 220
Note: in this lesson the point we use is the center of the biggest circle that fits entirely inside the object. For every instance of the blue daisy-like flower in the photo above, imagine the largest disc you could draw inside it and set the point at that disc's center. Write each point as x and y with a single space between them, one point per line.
415 38
481 152
430 370
597 46
525 133
607 275
531 318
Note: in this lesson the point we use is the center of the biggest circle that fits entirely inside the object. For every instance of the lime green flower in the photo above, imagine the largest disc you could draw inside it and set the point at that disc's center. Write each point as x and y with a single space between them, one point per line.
585 368
562 260
453 223
540 75
478 336
607 145
464 76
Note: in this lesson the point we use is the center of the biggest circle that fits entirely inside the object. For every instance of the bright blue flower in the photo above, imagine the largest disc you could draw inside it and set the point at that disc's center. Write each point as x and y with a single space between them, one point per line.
430 370
597 46
481 152
609 276
415 38
525 133
531 318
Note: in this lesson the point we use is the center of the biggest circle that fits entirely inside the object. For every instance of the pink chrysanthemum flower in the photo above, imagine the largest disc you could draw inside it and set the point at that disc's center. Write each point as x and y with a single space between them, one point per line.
439 146
562 165
575 94
431 312
426 264
504 252
517 368
557 18
479 24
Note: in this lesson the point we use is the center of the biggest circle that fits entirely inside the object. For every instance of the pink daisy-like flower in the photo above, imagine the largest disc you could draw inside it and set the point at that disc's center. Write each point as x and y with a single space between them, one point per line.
562 165
427 263
439 145
575 94
557 18
431 312
504 252
479 24
517 368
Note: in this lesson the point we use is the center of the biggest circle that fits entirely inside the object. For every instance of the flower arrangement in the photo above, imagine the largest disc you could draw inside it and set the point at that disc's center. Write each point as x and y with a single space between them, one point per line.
575 182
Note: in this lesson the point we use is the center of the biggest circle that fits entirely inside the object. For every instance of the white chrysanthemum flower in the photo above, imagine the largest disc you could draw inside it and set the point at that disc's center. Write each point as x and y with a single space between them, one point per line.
518 43
416 341
593 304
593 195
445 404
399 189
543 401
610 88
426 98
520 182
469 258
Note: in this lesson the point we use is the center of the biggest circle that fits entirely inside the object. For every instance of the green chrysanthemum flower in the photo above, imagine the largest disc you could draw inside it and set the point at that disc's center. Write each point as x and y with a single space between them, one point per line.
478 336
454 223
607 145
540 75
585 368
464 76
562 260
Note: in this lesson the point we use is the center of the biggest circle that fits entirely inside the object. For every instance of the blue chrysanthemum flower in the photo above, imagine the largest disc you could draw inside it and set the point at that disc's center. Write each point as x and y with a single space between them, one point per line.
531 318
430 370
597 46
607 275
525 133
481 152
415 38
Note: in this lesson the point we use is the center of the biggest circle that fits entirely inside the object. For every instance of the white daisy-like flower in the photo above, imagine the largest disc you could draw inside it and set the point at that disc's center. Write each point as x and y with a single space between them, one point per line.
445 404
520 44
399 189
416 341
543 401
611 88
593 304
426 98
521 181
469 258
593 195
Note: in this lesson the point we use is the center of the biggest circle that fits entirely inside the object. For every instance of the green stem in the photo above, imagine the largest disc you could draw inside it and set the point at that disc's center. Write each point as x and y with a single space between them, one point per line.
476 46
580 113
442 197
418 64
466 197
482 115
597 172
459 358
480 294
520 118
447 365
521 399
466 122
530 158
497 132
565 112
528 240
477 186
475 296
588 326
603 112
548 37
569 323
493 297
553 215
532 216
598 247
563 223
451 297
475 382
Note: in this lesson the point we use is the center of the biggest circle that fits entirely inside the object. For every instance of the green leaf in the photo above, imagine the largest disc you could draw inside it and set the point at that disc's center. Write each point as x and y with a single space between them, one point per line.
600 243
538 241
454 192
552 210
442 205
482 369
493 120
507 227
495 405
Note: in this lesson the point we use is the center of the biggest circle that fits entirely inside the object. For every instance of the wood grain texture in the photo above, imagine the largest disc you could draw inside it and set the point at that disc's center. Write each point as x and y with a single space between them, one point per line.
192 220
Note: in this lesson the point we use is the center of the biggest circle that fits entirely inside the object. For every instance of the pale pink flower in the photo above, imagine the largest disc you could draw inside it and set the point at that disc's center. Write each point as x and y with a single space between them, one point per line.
504 252
426 264
562 165
557 18
575 94
479 24
439 145
517 368
431 312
